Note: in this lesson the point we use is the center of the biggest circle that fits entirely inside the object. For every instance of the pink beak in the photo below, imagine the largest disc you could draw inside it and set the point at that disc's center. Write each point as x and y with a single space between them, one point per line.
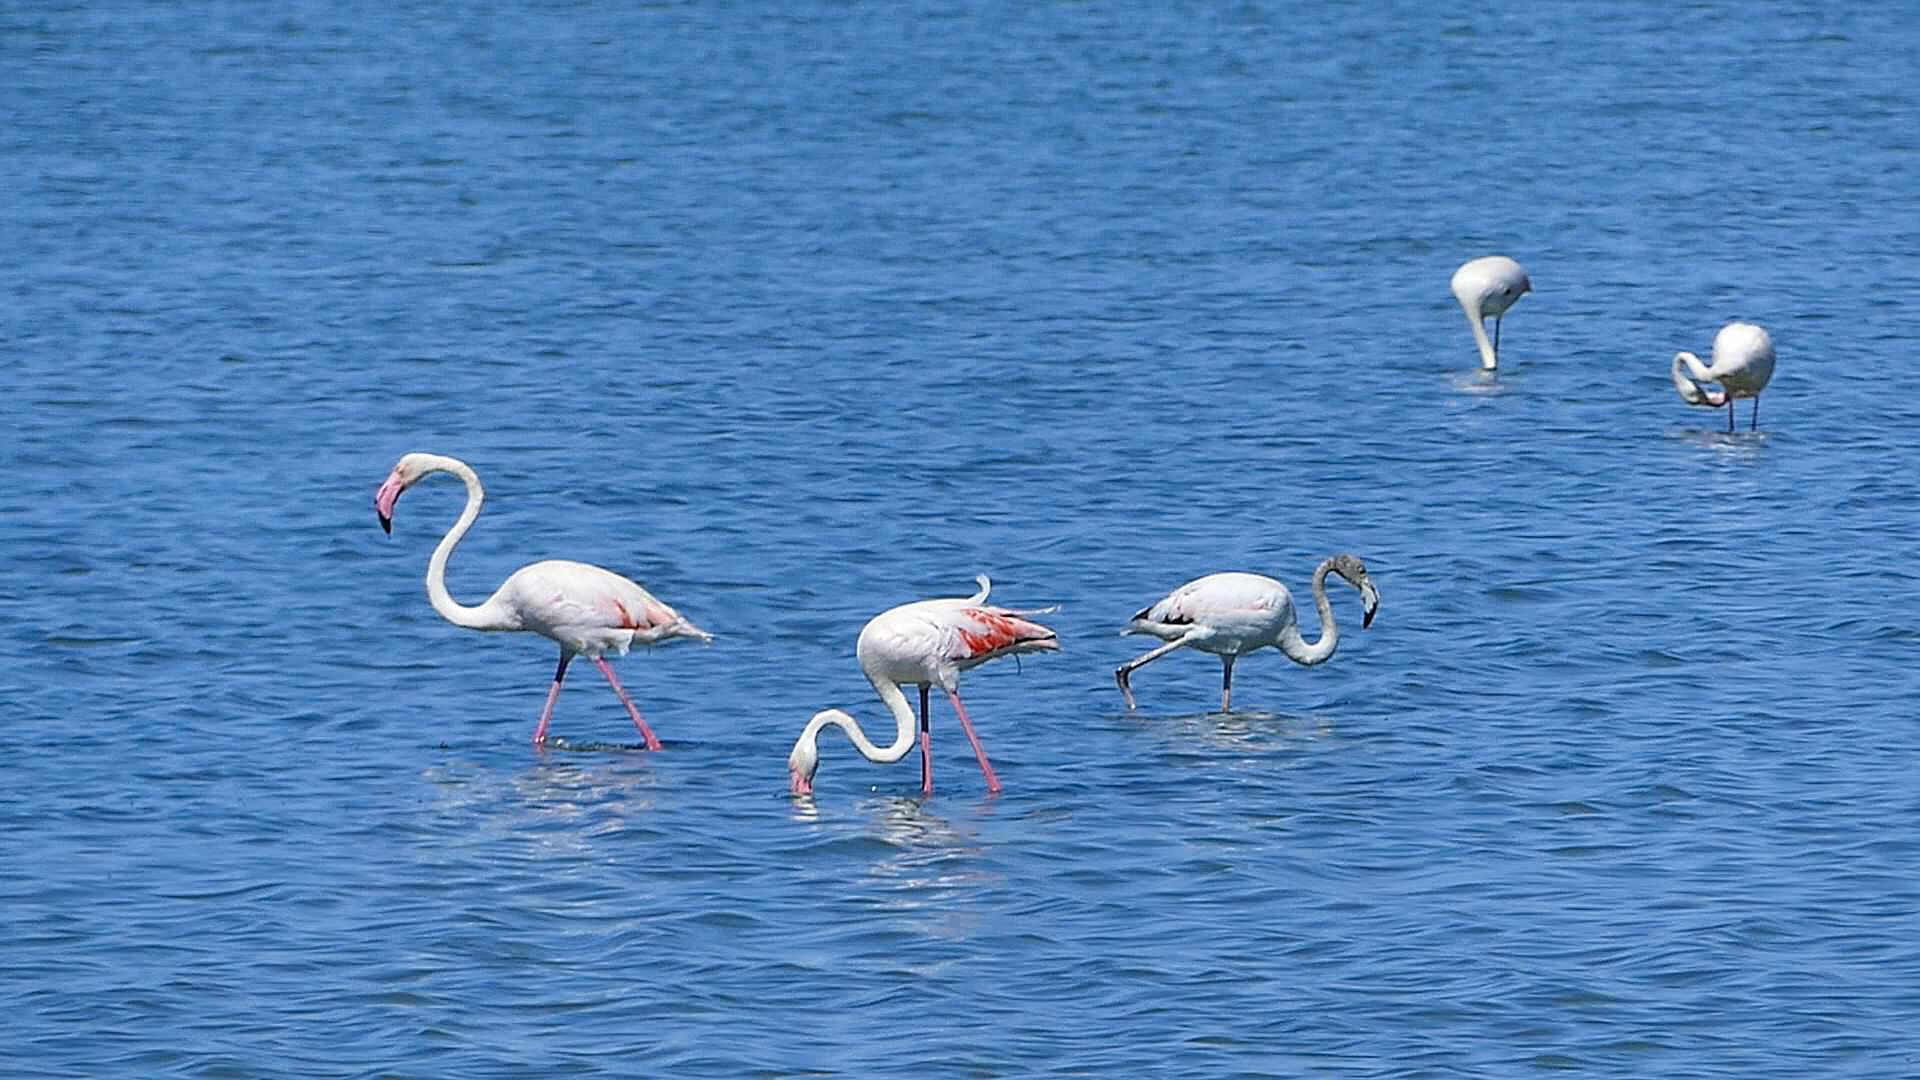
797 784
384 499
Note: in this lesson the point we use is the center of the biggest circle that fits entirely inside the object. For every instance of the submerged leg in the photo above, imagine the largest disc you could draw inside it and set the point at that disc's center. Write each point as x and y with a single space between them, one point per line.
1729 414
926 745
553 694
993 782
645 731
1121 673
1226 683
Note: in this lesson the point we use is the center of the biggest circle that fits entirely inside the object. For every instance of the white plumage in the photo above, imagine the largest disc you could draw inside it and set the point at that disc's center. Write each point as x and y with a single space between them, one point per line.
1742 365
1486 287
1232 614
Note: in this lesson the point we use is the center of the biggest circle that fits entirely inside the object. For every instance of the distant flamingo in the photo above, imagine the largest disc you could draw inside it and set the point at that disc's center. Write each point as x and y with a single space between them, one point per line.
1487 287
1742 365
926 643
1233 614
586 609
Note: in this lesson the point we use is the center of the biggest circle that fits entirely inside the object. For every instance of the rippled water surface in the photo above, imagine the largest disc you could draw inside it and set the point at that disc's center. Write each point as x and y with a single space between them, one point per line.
796 315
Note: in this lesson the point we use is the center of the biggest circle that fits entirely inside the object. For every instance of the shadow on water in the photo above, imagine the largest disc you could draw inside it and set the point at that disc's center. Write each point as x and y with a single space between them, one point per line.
1245 731
1735 445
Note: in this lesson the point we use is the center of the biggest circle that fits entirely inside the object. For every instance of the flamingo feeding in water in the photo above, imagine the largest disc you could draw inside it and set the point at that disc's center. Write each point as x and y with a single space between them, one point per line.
1742 365
1233 614
1487 287
927 643
587 610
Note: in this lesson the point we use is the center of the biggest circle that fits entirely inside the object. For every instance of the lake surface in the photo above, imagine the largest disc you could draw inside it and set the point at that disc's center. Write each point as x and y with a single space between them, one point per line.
796 316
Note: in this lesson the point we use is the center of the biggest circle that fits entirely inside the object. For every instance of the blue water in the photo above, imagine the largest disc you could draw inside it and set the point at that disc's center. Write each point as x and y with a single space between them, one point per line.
794 316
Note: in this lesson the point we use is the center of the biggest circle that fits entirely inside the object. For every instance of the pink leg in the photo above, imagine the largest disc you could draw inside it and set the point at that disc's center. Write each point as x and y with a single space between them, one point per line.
926 746
645 731
993 782
553 695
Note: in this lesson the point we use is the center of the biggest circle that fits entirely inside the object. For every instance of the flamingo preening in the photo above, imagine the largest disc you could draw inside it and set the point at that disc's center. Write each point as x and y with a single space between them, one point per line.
1742 365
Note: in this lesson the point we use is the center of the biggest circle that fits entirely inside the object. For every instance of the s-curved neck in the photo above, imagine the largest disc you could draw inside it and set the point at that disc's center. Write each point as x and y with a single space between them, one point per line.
903 719
1691 392
1296 647
484 616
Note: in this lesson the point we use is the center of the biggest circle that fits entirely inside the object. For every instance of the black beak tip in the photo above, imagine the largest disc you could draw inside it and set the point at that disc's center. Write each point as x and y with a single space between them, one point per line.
386 524
1366 620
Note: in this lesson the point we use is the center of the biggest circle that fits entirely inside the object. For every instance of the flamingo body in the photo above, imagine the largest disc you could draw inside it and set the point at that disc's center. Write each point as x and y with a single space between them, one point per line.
926 643
1485 288
587 610
1743 361
1224 614
1232 614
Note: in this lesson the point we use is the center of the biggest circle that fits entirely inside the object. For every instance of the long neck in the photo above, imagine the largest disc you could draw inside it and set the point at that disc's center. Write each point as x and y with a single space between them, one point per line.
1296 647
896 702
1690 392
1489 360
1700 371
485 616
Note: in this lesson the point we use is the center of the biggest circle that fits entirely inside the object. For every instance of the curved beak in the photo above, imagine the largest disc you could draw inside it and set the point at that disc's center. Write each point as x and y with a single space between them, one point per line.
384 499
798 784
1369 603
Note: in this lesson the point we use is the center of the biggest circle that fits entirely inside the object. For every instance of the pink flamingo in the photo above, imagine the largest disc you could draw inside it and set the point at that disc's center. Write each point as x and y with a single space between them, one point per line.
927 643
586 609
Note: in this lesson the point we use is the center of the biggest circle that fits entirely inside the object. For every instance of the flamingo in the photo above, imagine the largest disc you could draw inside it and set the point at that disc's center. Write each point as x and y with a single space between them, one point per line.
1485 287
1233 614
926 643
586 609
1742 365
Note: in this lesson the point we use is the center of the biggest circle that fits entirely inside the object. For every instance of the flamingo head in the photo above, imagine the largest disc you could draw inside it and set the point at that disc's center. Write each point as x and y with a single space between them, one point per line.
804 761
1354 572
406 473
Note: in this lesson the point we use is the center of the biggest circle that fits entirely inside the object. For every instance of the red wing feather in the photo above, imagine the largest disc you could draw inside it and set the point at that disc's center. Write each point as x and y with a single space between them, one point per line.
985 632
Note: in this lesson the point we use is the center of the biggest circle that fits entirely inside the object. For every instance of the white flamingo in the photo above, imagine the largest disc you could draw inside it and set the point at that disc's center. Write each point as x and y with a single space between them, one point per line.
1233 614
926 643
1486 287
1742 365
587 610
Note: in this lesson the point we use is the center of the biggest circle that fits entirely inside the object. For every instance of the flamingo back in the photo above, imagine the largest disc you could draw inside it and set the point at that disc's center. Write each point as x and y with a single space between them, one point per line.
932 641
1743 358
1231 609
591 610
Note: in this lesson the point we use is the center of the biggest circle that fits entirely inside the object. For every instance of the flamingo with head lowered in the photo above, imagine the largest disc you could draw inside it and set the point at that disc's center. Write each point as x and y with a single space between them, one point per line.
587 610
1486 287
927 643
1742 365
1233 614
